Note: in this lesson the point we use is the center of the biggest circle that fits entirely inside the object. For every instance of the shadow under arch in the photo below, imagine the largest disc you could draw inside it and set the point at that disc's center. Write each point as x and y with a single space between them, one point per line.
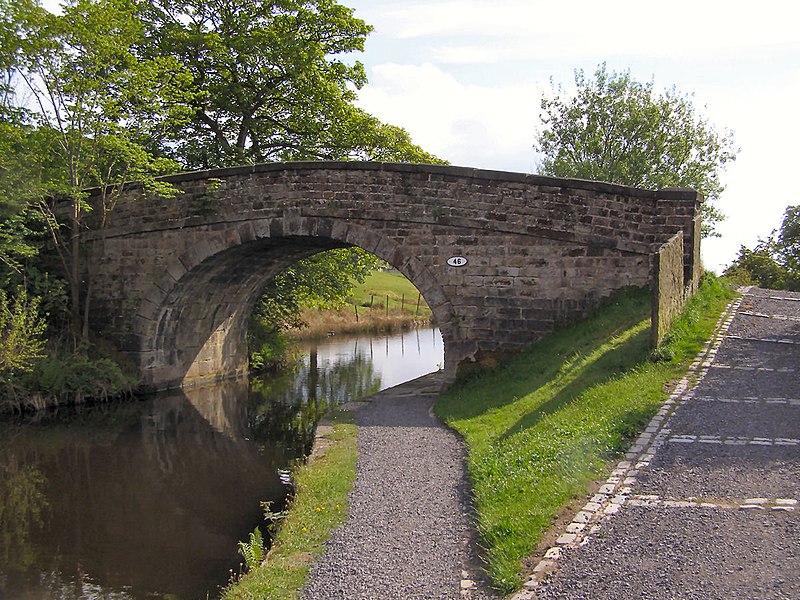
193 322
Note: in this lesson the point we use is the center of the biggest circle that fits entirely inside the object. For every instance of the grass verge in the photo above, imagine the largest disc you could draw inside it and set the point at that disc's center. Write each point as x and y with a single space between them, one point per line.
543 426
319 506
380 284
385 301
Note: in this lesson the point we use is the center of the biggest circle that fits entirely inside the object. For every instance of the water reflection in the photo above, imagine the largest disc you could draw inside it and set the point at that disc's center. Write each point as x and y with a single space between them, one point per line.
134 500
396 358
149 499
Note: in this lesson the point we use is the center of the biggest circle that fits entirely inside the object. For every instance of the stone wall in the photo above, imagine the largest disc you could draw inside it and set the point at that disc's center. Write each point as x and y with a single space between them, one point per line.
669 292
175 280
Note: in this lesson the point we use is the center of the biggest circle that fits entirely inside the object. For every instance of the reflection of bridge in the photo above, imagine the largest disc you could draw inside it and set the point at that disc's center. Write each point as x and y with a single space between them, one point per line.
175 280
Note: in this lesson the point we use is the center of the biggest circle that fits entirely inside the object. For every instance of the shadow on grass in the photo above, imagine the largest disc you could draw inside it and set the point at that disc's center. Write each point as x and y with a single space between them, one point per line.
614 361
559 359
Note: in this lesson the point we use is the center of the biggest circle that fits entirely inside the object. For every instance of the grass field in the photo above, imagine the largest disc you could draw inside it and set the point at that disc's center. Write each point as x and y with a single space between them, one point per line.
400 291
366 309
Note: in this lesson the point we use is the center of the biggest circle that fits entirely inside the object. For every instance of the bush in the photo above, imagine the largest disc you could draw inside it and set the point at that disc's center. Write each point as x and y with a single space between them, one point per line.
61 379
270 349
21 333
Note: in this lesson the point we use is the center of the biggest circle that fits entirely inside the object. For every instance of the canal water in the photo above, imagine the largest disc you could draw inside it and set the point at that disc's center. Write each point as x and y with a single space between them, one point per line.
148 499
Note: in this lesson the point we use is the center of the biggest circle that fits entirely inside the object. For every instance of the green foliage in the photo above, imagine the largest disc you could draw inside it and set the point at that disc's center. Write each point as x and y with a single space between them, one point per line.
273 517
22 331
16 244
775 262
93 94
540 428
271 82
270 349
788 241
87 104
322 281
253 551
617 129
360 136
77 378
760 267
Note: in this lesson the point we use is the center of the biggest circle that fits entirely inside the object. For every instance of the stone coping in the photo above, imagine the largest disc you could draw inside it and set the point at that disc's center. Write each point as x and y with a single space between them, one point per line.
670 193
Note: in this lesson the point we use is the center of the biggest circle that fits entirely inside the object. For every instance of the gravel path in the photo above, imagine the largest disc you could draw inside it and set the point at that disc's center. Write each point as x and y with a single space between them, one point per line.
706 505
408 532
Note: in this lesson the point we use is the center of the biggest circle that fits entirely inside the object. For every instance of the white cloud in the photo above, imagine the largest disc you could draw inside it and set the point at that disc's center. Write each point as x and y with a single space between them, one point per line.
462 30
469 125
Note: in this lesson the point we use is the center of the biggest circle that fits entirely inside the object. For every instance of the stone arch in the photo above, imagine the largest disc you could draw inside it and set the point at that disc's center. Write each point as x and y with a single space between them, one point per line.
193 319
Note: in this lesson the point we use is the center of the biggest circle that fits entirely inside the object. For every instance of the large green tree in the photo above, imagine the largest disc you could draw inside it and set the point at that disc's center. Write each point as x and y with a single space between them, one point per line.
92 108
273 82
616 129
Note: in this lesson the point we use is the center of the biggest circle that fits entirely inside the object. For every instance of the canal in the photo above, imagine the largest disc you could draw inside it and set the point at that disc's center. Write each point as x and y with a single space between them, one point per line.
148 499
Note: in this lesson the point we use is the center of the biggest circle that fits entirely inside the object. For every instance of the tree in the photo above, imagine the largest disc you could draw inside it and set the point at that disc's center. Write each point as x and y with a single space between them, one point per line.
92 107
619 130
774 263
271 82
322 281
21 334
14 184
788 241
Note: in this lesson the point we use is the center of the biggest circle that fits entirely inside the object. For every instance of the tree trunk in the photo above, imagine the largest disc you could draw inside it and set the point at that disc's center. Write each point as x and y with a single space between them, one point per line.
75 274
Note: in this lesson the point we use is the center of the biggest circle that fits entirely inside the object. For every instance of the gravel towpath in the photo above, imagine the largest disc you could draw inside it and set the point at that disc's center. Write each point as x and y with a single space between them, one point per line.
409 531
706 504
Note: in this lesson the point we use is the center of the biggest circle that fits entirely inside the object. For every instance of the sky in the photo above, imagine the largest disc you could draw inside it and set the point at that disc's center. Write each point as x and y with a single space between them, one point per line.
465 78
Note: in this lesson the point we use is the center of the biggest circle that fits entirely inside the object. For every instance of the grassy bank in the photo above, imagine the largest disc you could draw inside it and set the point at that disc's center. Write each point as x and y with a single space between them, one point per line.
543 427
319 506
385 301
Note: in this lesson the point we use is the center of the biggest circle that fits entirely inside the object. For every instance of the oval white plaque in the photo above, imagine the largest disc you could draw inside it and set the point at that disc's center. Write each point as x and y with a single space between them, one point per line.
457 261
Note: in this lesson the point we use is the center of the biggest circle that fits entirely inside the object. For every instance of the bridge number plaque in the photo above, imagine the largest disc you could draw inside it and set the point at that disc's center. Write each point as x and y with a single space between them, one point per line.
457 261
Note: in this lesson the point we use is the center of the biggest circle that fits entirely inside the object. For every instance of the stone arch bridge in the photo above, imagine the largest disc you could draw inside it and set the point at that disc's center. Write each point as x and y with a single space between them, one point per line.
174 280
